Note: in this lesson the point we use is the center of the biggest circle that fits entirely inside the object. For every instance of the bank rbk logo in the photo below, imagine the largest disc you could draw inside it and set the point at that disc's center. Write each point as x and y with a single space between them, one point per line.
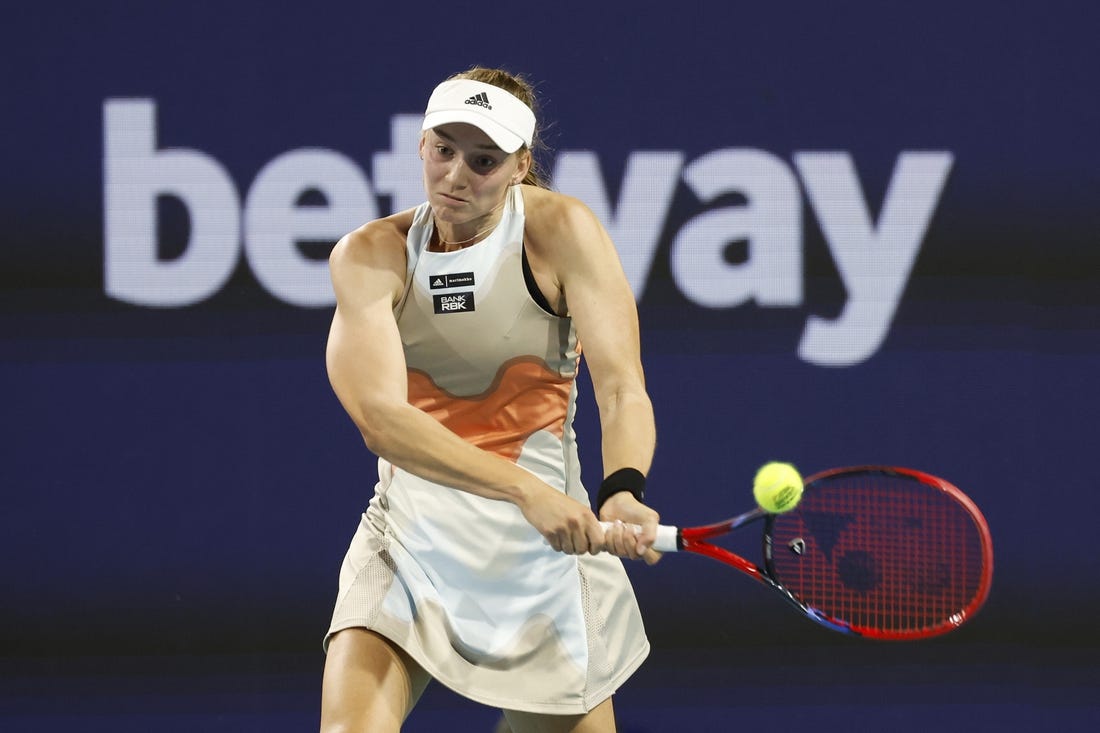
454 303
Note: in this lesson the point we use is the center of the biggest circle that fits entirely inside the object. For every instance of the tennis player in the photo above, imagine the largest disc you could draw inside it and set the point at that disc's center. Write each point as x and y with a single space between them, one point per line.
454 348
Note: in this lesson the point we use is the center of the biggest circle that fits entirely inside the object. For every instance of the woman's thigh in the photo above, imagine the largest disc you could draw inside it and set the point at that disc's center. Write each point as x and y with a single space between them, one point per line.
369 683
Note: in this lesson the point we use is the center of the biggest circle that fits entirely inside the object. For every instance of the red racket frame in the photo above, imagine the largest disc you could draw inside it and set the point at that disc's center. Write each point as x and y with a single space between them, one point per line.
693 539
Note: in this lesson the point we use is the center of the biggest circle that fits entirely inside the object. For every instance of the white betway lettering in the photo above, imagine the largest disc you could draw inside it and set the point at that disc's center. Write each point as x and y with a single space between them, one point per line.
273 223
770 221
134 174
874 259
398 172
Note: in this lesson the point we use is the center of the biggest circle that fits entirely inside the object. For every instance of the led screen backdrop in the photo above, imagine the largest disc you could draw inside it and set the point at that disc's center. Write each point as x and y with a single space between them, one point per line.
856 234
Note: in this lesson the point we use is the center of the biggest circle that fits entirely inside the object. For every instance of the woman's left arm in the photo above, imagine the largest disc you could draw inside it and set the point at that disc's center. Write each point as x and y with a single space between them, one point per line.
579 254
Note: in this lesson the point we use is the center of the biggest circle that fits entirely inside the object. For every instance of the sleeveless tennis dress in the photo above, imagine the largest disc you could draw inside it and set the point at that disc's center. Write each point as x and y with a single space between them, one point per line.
464 584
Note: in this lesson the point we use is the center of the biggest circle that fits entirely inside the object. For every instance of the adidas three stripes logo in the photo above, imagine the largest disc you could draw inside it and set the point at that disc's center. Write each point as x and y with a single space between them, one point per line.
481 99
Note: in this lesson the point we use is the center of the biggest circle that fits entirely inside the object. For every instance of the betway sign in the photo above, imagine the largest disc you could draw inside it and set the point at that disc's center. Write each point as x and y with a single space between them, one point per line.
874 258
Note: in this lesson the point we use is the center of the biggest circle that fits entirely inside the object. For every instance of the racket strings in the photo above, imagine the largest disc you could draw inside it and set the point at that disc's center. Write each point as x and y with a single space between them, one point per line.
882 552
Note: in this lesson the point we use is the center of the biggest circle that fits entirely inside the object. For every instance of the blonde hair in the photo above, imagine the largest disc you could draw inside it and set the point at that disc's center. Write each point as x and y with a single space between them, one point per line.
521 89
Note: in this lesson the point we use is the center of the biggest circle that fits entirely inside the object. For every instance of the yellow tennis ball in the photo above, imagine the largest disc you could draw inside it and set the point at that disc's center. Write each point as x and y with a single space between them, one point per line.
777 487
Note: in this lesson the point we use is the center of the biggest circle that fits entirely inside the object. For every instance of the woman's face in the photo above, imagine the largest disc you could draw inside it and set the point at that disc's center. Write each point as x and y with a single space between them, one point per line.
466 175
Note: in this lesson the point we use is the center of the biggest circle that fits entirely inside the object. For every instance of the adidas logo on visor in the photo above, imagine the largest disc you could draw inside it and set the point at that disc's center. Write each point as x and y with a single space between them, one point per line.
481 99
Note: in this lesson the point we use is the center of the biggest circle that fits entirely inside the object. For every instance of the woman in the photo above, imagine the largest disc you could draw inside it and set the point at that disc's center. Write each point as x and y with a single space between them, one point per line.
454 347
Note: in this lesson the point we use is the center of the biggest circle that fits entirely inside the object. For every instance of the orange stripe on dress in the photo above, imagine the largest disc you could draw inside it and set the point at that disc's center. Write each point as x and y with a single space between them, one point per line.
526 396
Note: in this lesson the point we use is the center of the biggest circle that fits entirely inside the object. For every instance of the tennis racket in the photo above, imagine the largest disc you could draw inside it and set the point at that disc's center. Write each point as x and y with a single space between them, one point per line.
871 551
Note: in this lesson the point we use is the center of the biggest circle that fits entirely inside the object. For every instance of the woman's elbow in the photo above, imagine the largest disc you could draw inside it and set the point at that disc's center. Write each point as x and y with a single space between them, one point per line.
376 426
371 439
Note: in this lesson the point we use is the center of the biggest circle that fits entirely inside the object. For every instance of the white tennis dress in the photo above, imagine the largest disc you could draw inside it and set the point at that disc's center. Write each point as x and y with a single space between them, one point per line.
464 584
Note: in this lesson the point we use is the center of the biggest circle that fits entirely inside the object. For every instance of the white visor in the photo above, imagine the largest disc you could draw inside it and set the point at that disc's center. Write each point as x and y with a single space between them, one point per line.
504 118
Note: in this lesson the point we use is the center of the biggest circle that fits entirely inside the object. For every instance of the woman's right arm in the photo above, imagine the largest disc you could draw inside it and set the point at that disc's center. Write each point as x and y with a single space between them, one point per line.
366 367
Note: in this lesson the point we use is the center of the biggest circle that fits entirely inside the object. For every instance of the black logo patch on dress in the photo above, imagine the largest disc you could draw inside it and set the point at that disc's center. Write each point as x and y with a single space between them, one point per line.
453 302
454 280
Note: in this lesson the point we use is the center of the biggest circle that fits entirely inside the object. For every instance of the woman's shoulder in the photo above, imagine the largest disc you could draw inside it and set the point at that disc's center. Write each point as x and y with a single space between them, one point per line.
551 212
375 241
544 199
370 261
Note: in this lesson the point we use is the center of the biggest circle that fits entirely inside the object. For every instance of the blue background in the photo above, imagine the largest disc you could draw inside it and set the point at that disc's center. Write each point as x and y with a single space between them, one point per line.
179 485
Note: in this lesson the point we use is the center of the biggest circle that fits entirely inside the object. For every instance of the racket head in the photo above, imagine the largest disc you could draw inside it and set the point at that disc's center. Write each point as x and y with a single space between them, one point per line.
882 552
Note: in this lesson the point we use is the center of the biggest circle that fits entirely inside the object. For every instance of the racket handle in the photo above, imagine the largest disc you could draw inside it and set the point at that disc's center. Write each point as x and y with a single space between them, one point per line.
666 536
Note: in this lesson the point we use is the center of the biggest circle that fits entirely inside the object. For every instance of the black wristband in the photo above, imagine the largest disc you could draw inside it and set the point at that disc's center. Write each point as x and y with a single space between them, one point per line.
625 479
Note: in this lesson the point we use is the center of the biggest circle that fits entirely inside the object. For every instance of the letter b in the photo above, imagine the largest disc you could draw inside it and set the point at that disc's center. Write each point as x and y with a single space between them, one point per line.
135 173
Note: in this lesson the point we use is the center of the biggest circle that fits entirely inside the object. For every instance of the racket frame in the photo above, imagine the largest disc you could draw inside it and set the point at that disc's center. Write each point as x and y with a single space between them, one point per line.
693 539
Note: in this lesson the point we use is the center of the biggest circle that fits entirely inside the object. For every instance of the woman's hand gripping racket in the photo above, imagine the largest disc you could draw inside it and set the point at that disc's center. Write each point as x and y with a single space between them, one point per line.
873 551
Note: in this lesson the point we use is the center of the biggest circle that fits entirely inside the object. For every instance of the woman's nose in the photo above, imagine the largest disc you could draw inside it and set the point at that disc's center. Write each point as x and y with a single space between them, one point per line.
455 171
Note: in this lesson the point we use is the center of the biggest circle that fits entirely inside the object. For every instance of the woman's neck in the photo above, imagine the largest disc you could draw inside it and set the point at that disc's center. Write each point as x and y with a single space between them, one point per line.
451 237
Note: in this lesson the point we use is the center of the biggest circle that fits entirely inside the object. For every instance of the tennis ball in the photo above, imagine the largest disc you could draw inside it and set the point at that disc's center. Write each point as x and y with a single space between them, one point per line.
777 487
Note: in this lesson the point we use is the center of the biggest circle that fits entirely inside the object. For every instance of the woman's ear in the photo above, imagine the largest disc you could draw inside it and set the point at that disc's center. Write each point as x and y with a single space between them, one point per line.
524 160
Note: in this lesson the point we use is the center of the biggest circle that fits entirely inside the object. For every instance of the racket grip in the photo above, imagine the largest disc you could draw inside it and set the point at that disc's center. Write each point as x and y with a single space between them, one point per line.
666 536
